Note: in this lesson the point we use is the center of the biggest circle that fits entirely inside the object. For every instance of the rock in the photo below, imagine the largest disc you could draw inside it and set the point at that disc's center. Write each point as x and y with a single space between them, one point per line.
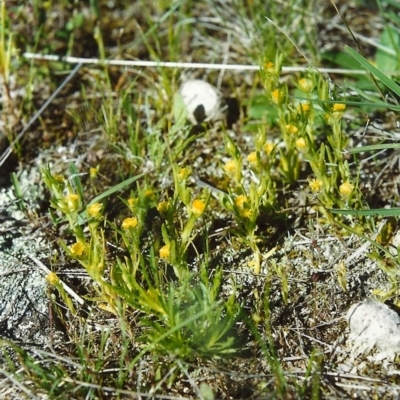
374 324
24 304
202 101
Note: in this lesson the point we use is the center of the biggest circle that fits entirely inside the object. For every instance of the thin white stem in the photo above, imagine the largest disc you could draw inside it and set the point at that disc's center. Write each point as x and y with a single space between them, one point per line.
168 64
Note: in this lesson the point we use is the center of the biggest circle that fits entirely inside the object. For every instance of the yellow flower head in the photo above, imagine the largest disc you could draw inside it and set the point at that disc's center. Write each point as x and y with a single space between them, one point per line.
346 189
162 207
94 209
339 107
93 172
149 193
277 96
132 201
59 178
269 66
241 200
231 166
53 279
337 110
198 207
306 85
304 108
316 185
252 157
183 173
292 129
72 201
77 249
129 223
246 213
165 252
301 145
268 147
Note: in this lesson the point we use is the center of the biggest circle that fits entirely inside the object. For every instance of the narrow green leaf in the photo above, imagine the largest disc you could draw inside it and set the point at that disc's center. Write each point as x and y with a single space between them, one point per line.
375 71
382 212
374 147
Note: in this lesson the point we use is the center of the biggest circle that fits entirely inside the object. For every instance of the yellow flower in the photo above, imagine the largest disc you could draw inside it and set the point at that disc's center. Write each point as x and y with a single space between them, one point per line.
306 85
162 207
316 185
77 249
59 178
346 189
198 207
338 107
72 201
301 145
277 96
337 110
53 279
72 197
269 66
128 223
241 200
246 213
183 173
231 166
93 172
304 108
268 147
165 252
94 209
149 193
132 201
292 129
252 157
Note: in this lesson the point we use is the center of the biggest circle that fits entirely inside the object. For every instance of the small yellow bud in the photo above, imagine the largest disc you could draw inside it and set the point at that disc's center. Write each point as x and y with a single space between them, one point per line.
292 129
269 66
316 185
94 209
241 200
337 110
277 96
268 147
162 207
198 207
306 85
53 279
183 173
246 213
339 107
301 145
149 193
132 201
346 189
231 166
72 201
165 252
252 157
93 172
77 249
59 178
304 108
128 223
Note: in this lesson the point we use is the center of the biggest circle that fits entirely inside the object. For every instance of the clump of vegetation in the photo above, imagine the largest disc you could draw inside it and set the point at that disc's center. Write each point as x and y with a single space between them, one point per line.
177 302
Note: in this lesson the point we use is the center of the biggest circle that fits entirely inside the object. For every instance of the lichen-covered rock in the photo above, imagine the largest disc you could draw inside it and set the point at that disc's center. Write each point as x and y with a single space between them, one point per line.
374 325
24 305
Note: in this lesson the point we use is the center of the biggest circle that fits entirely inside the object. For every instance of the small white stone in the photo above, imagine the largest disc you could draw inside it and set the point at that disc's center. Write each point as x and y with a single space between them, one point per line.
374 324
196 94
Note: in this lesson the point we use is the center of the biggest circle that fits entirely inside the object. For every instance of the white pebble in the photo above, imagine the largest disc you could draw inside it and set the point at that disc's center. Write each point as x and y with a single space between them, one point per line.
200 99
374 324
